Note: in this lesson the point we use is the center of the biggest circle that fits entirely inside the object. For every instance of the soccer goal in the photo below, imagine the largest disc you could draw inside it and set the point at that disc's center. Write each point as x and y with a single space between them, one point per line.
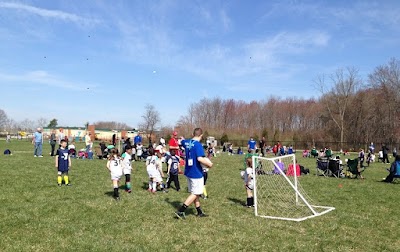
278 193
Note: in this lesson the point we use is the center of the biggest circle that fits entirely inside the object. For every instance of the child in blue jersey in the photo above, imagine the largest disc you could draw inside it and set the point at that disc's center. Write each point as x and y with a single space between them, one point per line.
173 170
63 163
115 168
127 167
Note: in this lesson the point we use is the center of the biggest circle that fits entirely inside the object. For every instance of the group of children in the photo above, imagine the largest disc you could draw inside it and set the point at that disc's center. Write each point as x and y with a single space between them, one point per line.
120 165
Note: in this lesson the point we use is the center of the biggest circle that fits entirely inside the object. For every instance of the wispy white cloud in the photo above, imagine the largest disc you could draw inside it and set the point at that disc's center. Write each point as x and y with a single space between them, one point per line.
46 13
226 21
40 77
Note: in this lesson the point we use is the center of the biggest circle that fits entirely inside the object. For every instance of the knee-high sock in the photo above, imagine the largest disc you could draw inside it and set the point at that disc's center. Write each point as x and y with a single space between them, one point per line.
66 179
59 179
154 186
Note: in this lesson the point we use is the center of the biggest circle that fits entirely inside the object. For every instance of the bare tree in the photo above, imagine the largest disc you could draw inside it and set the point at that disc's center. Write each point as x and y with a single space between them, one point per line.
111 125
151 118
338 93
386 80
42 122
27 125
3 119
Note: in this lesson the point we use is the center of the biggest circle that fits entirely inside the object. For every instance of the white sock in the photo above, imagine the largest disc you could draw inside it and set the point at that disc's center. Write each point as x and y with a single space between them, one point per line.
154 186
150 185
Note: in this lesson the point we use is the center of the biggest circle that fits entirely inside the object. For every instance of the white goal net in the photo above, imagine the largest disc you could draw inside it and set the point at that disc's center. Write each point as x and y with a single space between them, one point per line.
277 191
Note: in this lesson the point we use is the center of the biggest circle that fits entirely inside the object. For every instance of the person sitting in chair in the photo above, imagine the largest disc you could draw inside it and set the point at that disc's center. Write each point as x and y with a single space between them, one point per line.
72 149
394 170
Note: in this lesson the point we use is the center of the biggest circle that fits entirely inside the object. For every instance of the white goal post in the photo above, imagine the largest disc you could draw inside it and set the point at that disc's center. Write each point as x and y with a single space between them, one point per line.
278 193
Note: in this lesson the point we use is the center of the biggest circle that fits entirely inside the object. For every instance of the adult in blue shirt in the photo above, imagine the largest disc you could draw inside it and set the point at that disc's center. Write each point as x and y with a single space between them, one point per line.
194 161
37 141
251 145
137 139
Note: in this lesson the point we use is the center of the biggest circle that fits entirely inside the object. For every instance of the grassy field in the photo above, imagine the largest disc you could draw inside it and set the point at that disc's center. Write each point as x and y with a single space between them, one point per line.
37 215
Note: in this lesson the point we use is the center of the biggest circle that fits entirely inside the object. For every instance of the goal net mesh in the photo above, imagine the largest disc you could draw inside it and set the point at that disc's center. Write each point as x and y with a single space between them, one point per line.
278 193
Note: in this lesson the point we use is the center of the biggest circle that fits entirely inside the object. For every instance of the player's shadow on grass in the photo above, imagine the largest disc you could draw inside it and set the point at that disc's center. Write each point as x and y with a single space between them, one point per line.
237 201
109 193
176 204
145 185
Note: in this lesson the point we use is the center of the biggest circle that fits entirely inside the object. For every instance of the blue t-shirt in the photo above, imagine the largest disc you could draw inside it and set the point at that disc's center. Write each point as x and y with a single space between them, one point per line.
62 155
38 137
193 150
137 139
252 144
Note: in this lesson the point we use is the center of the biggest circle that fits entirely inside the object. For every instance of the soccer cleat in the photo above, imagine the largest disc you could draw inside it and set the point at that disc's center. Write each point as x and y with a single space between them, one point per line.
68 184
34 156
59 185
117 199
180 215
40 156
129 191
202 215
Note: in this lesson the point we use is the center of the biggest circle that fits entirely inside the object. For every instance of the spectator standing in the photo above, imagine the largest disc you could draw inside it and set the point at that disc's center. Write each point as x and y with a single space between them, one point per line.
137 139
262 146
251 145
38 143
174 143
88 142
61 136
385 150
52 142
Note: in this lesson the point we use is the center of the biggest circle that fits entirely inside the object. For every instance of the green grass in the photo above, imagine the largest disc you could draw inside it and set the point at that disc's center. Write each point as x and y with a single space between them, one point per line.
37 215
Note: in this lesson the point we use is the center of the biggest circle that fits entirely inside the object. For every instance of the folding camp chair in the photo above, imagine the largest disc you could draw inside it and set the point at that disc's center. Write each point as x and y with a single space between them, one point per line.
322 167
314 153
353 168
334 168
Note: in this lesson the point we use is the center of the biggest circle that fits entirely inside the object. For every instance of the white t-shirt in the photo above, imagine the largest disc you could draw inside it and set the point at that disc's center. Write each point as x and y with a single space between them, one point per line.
249 175
115 168
126 163
139 150
88 141
61 136
152 167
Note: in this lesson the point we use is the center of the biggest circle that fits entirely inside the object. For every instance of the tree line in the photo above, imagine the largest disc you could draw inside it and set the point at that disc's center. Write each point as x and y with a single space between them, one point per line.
350 112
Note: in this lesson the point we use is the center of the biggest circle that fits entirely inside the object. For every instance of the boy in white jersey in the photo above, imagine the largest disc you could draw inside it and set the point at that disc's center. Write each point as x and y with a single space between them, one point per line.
160 174
153 170
115 168
248 182
127 167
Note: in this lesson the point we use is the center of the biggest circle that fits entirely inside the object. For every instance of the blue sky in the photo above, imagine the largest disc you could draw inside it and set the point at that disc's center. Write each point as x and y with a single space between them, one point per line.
81 61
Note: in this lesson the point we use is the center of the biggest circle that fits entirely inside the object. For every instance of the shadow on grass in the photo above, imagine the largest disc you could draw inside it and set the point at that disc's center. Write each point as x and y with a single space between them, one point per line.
145 185
237 201
176 204
109 194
